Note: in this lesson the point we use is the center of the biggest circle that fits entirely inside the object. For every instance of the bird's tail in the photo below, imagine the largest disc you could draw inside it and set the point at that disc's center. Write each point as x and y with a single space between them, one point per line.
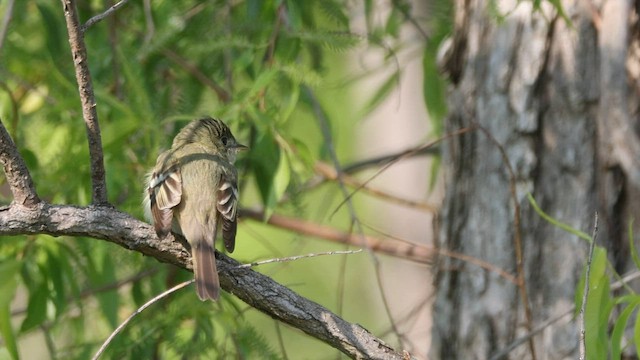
204 269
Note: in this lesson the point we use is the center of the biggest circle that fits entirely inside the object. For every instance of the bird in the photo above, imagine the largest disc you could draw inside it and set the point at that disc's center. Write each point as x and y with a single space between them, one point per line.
193 191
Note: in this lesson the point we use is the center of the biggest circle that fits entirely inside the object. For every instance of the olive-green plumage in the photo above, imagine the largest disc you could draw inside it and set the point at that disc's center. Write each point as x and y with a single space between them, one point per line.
193 191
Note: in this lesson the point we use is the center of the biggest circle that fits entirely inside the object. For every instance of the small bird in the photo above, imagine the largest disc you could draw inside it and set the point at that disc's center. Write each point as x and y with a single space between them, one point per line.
193 190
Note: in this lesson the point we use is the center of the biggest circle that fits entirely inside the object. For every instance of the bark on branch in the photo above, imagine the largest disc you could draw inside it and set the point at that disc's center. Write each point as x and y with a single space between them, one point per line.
18 177
257 290
87 98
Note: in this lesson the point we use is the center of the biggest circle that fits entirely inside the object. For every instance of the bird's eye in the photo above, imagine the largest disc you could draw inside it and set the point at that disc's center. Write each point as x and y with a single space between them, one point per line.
224 140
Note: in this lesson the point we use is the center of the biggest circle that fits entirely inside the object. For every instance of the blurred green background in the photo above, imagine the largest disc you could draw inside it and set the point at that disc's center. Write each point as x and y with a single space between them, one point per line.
260 66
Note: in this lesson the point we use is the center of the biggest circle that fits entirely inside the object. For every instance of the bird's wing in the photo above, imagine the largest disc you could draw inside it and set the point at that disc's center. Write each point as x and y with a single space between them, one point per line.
165 192
227 205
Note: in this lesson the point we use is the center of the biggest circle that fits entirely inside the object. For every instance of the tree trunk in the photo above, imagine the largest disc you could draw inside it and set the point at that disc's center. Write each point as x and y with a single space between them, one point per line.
557 101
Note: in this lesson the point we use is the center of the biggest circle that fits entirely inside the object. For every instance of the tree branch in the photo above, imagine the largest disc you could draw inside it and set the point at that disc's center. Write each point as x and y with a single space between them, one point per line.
6 19
102 16
257 290
401 249
18 177
87 98
193 70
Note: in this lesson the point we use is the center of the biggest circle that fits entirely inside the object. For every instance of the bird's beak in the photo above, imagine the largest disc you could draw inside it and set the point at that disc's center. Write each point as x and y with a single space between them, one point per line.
240 147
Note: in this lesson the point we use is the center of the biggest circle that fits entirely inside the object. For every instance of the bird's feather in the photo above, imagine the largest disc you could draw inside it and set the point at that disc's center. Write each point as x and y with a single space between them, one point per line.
165 193
227 205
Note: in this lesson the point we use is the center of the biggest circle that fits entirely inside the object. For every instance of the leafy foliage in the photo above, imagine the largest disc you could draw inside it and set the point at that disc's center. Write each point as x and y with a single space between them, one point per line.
603 307
153 70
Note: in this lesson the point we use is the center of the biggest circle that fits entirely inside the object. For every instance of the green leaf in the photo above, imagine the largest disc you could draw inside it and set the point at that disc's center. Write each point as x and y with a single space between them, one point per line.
139 96
619 327
102 271
30 159
137 294
382 93
434 170
52 26
335 11
555 222
394 22
334 41
598 306
37 308
291 102
8 273
434 89
560 9
265 158
265 78
272 170
280 180
301 161
56 272
632 246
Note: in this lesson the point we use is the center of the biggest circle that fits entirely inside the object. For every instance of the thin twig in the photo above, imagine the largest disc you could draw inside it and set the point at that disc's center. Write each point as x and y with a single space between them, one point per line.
283 349
223 95
148 19
403 156
15 112
227 54
94 20
393 246
88 100
298 257
330 173
378 161
405 250
326 134
138 311
517 238
404 10
527 337
550 321
428 149
460 256
16 172
6 19
583 306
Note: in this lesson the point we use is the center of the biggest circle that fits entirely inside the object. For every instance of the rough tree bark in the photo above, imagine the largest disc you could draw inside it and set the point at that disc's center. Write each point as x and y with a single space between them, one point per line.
558 99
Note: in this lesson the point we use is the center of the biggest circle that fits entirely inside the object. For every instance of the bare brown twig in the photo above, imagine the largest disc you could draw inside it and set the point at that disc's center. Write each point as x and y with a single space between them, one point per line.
102 16
138 311
585 293
5 22
298 257
355 221
330 173
404 250
87 98
18 177
404 155
421 150
222 94
517 238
